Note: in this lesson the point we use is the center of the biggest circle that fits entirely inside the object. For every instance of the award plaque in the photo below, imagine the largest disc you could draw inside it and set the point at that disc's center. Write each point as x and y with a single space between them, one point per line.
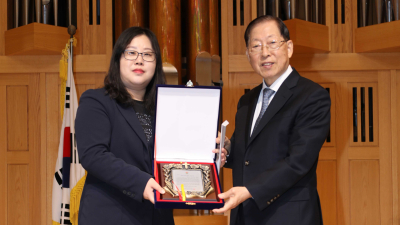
194 177
198 181
185 128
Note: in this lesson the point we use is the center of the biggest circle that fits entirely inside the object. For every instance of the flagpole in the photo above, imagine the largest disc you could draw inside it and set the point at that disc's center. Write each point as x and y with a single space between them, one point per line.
71 32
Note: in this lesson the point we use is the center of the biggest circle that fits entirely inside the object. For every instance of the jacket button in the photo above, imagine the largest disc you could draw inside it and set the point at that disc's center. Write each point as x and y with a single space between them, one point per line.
246 163
129 193
124 192
133 195
268 203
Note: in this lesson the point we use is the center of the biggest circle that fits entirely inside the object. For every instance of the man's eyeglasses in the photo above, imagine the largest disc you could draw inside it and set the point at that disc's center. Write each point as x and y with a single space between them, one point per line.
133 55
271 46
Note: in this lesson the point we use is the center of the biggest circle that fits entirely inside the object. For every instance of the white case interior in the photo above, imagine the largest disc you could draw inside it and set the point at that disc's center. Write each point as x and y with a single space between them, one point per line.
186 124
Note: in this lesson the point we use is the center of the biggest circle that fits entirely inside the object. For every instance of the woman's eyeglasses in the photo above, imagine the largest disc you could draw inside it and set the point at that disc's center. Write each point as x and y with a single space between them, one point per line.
133 55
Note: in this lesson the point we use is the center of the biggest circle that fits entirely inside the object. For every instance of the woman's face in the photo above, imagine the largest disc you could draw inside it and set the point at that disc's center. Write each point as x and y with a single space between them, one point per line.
137 73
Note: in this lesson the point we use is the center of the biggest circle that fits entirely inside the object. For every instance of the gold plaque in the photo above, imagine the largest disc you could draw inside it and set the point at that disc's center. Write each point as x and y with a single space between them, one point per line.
194 177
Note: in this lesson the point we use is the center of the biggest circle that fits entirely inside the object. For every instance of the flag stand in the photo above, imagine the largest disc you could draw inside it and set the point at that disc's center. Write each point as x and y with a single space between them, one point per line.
69 177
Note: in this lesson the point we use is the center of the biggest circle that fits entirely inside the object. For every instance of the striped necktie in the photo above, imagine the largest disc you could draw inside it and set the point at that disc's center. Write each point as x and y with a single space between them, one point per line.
267 93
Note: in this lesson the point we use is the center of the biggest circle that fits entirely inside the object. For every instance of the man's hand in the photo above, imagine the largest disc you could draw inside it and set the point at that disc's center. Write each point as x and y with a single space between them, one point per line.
236 196
227 145
148 190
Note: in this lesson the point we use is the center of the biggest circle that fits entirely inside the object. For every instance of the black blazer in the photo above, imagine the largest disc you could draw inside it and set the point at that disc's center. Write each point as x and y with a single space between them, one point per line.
113 149
277 164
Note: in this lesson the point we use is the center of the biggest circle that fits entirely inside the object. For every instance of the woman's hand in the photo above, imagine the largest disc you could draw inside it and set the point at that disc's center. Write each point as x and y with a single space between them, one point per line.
148 190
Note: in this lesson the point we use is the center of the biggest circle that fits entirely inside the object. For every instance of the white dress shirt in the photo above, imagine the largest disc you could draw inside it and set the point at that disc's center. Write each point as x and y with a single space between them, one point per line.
275 86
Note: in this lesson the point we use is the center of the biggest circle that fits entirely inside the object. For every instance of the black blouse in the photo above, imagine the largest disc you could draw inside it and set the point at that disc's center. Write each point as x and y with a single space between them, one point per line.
145 118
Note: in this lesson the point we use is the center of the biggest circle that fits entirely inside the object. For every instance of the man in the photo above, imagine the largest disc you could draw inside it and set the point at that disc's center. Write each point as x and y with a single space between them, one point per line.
278 135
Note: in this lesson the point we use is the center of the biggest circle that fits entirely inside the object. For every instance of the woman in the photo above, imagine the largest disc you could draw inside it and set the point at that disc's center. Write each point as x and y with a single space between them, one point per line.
114 136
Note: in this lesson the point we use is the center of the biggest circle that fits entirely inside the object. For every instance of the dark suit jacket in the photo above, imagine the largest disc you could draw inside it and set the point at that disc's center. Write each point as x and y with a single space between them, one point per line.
277 164
113 149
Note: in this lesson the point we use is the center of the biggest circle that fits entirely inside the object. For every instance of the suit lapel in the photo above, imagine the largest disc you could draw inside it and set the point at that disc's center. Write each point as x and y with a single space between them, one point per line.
130 116
279 100
252 107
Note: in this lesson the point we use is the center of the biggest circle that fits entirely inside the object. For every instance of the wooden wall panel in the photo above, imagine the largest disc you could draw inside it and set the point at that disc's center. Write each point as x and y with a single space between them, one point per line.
3 152
247 17
363 138
326 174
328 150
35 194
17 157
3 24
21 171
101 28
227 181
385 140
93 35
118 26
17 204
53 126
203 220
328 17
365 197
108 31
17 118
332 131
347 37
231 46
395 109
342 32
47 64
43 148
87 81
236 42
327 153
343 195
84 24
80 88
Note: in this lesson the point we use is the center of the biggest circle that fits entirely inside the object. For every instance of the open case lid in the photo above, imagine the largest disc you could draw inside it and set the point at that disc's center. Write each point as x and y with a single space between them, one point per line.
186 123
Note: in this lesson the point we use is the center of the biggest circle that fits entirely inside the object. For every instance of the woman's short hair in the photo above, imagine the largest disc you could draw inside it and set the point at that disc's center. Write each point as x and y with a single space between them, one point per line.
113 83
281 26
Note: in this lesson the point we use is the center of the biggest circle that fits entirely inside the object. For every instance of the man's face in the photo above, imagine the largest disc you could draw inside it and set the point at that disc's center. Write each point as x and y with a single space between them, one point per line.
268 63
